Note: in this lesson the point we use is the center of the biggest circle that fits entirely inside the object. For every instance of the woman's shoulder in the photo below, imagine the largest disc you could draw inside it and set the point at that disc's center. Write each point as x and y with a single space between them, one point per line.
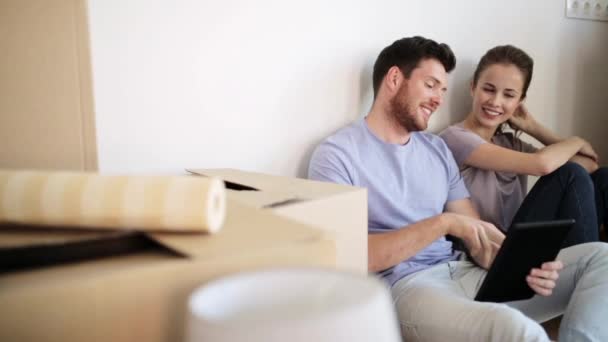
456 135
461 141
457 128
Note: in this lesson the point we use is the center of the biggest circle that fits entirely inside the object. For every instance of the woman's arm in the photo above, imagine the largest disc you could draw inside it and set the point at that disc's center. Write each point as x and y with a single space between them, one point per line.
523 120
544 161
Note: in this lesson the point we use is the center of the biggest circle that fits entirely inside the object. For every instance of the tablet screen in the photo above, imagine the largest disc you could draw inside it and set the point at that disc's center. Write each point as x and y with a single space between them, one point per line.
527 245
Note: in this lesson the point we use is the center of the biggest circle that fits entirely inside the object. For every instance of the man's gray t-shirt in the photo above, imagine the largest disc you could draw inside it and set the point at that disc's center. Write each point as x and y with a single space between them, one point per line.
496 195
405 184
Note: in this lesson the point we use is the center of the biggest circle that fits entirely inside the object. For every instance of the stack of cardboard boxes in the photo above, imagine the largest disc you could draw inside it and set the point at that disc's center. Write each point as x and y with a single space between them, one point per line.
142 296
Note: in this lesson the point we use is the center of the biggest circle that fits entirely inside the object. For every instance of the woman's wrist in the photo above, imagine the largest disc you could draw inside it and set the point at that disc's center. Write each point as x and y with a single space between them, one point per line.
531 127
577 140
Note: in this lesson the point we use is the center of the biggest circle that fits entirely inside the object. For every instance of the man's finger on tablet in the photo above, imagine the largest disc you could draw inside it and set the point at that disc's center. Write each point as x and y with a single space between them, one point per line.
540 290
537 272
552 265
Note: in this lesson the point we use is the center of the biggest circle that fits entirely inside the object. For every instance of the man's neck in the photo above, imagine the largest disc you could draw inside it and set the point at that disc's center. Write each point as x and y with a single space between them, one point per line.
474 126
386 127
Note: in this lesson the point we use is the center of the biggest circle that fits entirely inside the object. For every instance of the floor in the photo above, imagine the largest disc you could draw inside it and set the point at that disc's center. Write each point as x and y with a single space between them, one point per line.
552 327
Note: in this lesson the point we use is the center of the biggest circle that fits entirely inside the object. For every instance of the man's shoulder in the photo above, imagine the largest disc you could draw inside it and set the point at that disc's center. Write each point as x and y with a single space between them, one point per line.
431 139
346 134
345 139
435 145
334 158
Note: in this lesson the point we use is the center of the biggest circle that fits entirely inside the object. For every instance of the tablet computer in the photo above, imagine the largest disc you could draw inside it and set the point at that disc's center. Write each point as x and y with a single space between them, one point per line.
526 246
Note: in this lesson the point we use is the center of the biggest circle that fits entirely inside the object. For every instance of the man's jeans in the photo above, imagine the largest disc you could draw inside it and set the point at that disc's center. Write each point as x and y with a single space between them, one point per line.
437 304
569 192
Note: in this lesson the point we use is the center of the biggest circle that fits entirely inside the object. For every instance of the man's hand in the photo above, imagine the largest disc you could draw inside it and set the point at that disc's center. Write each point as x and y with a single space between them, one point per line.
542 280
481 238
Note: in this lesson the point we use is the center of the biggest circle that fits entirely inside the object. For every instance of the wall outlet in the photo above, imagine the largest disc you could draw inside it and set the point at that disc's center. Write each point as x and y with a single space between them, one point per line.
587 9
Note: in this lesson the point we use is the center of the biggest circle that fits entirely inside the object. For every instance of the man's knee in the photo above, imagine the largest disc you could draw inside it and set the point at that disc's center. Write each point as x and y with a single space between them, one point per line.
597 251
591 253
506 323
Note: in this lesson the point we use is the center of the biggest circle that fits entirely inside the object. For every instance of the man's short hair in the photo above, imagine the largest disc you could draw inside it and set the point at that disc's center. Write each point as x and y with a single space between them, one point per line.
406 53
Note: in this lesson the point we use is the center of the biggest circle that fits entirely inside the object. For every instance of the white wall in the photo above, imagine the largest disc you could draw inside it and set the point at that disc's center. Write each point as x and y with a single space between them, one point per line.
257 84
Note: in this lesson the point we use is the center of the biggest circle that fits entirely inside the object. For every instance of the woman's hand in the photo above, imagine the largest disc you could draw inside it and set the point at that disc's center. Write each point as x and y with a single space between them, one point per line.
522 119
587 151
588 163
542 280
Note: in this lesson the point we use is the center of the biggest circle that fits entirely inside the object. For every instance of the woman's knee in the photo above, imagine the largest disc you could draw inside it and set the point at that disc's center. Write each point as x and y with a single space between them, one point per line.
574 169
575 173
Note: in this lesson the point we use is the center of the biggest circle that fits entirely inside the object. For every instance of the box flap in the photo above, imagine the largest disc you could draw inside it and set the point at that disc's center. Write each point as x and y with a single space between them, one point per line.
303 188
245 228
263 199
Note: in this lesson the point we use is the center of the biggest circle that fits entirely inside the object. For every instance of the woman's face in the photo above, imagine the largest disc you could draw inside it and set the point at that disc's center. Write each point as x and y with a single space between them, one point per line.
497 94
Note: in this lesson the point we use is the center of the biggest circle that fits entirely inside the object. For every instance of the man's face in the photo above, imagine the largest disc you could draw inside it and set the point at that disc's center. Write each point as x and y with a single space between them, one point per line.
420 95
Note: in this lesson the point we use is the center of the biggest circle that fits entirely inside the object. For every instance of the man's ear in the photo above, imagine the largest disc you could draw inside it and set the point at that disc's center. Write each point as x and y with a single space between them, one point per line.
393 79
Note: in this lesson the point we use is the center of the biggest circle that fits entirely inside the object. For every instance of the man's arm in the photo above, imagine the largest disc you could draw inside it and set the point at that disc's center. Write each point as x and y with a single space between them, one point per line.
388 249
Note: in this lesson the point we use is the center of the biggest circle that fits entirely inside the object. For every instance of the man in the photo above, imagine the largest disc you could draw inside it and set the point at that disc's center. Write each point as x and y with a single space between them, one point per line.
417 197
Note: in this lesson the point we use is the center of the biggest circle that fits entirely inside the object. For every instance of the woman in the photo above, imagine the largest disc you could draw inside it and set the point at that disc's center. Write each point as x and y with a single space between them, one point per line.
495 164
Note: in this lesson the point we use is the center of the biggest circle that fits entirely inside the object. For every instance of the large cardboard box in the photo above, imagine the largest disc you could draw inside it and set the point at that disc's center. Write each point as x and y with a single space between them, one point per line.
338 209
142 296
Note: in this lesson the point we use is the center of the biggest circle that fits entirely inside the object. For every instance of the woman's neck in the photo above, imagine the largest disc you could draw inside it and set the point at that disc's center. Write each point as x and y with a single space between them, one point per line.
474 126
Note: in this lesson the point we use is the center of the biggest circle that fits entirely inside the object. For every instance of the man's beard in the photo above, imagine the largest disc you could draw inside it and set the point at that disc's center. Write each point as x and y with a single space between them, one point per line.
403 112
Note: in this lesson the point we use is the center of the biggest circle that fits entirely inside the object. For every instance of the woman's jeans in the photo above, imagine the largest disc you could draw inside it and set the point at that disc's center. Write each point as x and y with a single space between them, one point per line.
569 192
600 182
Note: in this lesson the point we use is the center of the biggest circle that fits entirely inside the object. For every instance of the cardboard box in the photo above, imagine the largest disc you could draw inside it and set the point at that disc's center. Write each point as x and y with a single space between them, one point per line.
142 296
338 209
